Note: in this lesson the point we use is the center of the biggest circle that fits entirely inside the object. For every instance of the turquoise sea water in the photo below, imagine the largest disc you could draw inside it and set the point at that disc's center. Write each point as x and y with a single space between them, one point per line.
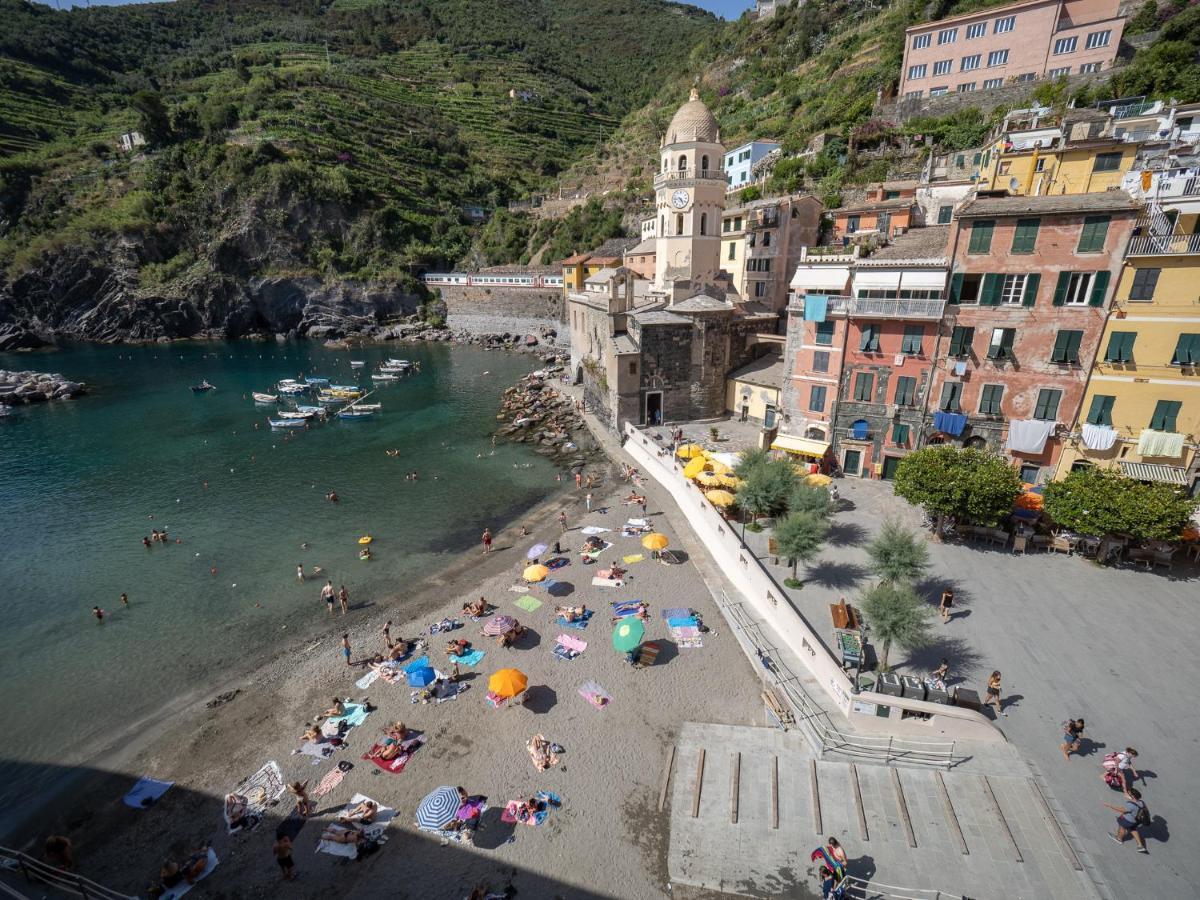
80 481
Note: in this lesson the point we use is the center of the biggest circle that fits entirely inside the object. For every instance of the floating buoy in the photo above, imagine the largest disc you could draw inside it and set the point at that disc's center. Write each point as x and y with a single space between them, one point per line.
365 539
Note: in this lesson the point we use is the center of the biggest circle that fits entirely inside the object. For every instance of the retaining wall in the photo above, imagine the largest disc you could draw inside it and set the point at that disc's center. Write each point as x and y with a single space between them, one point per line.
505 302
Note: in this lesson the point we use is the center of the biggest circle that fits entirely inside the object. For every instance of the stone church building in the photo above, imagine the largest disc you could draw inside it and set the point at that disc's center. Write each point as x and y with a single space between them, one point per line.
661 353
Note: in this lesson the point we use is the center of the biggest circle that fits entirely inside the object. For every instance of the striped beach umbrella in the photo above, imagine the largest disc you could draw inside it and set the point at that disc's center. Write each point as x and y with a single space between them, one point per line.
498 625
438 808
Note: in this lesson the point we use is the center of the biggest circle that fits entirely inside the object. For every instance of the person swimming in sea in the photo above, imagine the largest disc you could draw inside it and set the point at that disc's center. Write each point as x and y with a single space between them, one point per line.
99 614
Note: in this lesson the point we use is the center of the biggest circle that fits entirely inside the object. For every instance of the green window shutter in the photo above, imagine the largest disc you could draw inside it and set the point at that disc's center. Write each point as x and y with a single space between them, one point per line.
1025 236
989 294
1101 410
1093 234
960 340
1061 342
1047 404
950 393
1166 413
1060 288
1099 288
1187 350
981 236
1032 282
864 384
900 434
1120 347
1006 341
913 337
956 283
906 387
1074 345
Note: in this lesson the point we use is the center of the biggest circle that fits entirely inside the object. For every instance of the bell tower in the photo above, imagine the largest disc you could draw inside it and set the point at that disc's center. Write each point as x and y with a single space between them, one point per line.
689 196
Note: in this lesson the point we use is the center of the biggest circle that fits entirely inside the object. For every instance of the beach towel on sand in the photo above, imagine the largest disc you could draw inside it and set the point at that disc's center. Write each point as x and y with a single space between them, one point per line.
624 608
595 695
470 658
677 612
367 680
374 831
528 603
598 581
331 780
323 750
261 789
183 887
396 765
578 624
594 529
632 558
356 714
146 792
549 801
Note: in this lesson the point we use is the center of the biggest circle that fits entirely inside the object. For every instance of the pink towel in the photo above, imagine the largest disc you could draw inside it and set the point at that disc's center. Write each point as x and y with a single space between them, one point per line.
331 780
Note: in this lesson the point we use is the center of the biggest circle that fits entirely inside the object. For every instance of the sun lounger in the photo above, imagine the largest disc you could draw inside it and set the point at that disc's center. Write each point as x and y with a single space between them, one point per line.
595 695
183 887
146 792
579 624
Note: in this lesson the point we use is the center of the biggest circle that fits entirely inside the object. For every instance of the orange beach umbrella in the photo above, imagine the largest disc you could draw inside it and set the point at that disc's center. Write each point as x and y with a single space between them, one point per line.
508 683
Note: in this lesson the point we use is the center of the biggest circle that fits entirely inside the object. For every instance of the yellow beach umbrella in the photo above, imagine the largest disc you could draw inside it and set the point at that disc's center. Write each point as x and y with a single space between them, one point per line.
535 573
729 481
655 541
816 479
708 479
720 498
690 451
508 683
695 467
719 468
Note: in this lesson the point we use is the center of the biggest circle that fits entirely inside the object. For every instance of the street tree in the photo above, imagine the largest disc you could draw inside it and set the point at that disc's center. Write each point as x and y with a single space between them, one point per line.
898 554
810 498
897 615
799 537
1101 501
966 483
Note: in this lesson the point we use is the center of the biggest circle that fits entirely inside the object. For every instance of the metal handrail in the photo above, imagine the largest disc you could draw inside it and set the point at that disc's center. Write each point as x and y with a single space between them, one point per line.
35 870
690 174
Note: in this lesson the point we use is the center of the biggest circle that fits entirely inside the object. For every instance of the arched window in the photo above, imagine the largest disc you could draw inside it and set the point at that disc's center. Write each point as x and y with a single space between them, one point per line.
683 164
704 163
704 223
679 223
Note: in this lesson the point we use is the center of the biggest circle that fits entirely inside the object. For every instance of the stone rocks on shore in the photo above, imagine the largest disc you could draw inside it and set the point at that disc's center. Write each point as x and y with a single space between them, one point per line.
535 413
36 387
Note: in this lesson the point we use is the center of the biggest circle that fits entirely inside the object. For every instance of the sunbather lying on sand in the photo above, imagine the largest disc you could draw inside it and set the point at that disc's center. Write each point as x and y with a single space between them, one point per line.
343 834
541 753
313 733
338 709
475 608
458 647
511 635
634 498
173 874
365 813
571 613
397 730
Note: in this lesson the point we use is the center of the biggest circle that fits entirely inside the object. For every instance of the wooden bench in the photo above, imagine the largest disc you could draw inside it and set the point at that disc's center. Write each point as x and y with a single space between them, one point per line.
843 615
777 710
773 550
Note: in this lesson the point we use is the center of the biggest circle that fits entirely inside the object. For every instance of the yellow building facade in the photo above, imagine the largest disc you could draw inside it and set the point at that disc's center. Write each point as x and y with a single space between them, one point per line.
1144 391
1087 167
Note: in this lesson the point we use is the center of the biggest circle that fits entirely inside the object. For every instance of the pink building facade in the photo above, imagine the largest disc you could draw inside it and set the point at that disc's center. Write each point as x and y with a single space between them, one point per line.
1020 42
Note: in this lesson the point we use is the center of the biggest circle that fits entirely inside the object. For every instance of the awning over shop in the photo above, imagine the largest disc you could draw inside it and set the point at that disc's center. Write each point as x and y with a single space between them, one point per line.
821 278
1152 472
800 446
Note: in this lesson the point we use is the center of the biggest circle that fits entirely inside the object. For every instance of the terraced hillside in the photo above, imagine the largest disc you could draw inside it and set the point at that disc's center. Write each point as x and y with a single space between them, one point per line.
334 139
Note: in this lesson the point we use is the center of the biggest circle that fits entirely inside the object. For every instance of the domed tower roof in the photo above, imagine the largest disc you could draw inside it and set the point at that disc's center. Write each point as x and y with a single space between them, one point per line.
693 122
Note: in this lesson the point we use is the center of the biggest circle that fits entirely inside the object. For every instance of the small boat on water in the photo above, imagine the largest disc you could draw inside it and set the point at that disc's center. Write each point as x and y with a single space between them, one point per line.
202 387
385 376
295 415
357 363
353 413
316 379
398 363
264 398
311 410
288 386
345 387
370 407
287 423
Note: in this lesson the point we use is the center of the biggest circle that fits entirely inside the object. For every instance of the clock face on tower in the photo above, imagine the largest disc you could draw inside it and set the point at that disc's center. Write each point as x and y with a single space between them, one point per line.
679 199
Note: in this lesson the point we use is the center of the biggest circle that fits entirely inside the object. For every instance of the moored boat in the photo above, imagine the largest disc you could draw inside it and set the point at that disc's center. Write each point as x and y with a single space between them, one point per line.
357 363
385 376
264 398
287 423
295 415
351 413
370 407
202 387
311 410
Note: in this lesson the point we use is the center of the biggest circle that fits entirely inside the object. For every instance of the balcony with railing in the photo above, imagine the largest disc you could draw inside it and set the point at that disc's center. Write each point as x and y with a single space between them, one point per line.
675 175
761 252
763 218
1164 245
878 308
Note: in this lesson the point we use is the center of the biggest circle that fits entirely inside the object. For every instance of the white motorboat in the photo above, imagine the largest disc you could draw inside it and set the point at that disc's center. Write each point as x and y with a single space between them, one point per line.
295 415
357 363
287 423
264 398
311 410
385 376
369 407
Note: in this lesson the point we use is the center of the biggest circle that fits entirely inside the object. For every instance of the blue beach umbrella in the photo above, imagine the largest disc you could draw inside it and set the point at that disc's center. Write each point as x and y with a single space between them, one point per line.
535 551
421 677
438 808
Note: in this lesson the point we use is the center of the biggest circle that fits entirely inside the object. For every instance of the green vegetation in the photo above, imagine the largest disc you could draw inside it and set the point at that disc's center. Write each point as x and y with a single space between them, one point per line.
969 484
583 228
799 537
897 615
346 139
1101 502
898 555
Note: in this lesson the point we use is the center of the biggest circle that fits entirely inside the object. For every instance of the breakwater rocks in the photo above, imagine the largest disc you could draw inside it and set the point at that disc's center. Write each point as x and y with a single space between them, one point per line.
533 412
36 387
414 328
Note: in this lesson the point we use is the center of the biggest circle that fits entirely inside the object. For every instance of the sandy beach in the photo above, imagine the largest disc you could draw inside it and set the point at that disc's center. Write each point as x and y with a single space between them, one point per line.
607 840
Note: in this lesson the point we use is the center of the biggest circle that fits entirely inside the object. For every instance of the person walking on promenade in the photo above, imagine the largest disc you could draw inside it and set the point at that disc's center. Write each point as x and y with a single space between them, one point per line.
346 647
946 605
487 540
327 594
344 600
1123 761
1072 734
1130 819
993 692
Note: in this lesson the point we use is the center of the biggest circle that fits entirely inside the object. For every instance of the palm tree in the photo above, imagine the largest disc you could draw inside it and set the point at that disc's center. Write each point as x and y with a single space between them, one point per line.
898 554
799 537
896 616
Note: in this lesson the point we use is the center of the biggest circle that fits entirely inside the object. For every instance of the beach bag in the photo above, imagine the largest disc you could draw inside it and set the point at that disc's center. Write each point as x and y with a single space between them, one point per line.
1113 779
1111 762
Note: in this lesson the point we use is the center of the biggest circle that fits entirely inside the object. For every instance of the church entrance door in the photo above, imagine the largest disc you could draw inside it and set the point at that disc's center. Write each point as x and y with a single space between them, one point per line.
654 408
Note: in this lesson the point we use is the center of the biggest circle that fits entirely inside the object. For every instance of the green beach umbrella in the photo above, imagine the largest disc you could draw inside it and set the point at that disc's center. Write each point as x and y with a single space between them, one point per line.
628 634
